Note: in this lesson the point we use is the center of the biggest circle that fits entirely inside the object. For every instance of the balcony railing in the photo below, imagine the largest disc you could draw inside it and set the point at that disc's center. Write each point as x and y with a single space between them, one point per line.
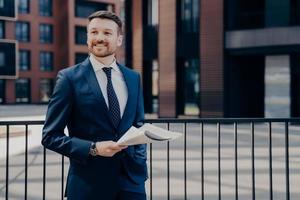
215 159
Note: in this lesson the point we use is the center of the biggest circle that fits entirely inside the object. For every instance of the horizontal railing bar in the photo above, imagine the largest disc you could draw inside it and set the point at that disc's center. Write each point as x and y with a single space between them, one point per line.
222 120
175 120
31 122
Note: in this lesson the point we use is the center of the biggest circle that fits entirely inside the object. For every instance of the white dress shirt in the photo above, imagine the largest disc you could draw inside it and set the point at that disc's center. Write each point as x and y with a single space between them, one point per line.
117 79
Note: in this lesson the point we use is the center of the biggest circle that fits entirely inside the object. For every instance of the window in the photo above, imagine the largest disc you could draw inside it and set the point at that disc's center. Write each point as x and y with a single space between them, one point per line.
80 57
23 6
80 35
155 87
295 12
46 61
83 8
22 90
191 87
45 8
46 33
1 3
46 88
22 31
152 12
2 59
2 30
190 16
245 14
2 91
24 60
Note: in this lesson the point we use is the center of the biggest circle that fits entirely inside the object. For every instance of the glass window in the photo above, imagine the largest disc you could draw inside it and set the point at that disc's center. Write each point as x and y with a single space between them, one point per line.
155 86
46 88
2 30
192 90
23 6
46 61
152 12
295 12
46 33
2 59
80 57
45 8
2 91
245 14
83 8
24 60
190 16
22 31
22 90
1 3
80 35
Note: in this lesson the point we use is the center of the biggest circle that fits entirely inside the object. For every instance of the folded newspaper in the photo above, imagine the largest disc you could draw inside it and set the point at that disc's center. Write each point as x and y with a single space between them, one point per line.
147 133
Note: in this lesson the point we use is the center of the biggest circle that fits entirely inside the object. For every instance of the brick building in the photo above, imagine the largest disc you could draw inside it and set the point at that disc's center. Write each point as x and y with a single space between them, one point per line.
217 58
207 58
51 35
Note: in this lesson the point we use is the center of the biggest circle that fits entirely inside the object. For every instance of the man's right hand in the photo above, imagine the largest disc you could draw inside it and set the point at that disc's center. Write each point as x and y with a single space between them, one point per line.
108 148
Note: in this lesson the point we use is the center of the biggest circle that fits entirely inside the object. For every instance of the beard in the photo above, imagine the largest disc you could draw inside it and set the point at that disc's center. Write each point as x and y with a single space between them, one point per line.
103 50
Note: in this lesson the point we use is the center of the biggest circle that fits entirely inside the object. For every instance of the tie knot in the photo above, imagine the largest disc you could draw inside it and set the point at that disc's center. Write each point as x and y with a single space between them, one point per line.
107 71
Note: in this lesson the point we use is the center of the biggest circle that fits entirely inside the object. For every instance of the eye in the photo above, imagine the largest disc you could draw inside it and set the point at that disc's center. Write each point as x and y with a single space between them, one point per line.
107 33
93 32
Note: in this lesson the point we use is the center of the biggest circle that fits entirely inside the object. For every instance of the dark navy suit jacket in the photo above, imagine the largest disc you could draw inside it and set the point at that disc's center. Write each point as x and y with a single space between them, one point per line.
77 102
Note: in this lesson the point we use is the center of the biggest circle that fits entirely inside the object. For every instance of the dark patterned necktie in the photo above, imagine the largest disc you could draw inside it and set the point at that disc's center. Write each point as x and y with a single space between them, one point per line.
114 107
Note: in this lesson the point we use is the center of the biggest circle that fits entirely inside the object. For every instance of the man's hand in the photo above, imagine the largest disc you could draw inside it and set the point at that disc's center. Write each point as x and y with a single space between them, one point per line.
108 148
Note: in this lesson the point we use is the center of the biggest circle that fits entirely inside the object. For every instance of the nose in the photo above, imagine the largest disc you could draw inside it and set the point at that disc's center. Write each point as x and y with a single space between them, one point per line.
100 37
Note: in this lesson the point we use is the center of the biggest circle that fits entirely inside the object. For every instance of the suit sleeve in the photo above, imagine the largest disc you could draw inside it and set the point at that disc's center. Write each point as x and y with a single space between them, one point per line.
140 150
58 116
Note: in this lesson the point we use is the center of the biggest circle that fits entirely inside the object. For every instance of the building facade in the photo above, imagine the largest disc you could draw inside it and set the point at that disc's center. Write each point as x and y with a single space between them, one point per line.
51 35
217 58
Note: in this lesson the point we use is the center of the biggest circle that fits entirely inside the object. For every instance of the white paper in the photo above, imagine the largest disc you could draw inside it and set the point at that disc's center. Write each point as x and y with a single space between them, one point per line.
148 133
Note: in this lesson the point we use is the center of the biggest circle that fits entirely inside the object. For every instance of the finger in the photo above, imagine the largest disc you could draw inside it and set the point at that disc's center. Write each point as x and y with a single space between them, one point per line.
123 146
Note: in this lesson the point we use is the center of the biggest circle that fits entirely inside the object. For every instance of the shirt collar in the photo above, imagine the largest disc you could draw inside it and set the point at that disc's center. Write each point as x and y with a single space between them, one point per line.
98 65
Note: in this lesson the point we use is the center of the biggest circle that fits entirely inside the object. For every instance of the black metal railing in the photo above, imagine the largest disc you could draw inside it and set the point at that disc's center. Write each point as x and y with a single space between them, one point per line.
211 160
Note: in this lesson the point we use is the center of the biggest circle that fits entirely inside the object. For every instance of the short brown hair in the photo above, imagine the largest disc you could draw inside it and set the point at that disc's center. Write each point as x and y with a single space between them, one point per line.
103 14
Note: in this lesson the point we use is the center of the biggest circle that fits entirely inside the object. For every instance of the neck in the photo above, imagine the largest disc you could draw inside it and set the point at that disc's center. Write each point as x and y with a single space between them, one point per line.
105 60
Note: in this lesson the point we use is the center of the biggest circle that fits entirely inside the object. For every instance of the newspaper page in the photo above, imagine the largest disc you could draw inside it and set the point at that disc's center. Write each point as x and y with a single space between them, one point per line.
148 133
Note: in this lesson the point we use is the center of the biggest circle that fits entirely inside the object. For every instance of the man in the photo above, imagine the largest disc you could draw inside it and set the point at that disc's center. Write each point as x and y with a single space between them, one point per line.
98 100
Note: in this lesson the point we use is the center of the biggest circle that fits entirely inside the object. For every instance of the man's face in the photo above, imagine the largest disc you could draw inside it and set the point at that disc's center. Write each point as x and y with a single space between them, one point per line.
103 37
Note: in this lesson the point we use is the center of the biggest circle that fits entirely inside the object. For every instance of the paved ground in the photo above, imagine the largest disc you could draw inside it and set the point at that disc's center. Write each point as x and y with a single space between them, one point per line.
176 163
10 111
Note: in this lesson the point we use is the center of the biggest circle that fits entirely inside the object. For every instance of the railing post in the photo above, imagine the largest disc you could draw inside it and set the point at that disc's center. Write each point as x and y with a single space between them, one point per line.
151 172
62 176
7 162
26 160
184 162
202 161
168 166
219 160
236 161
253 160
44 173
270 161
287 164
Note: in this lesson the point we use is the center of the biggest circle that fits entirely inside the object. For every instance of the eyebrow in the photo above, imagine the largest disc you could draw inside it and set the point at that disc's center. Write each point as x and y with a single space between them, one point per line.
106 29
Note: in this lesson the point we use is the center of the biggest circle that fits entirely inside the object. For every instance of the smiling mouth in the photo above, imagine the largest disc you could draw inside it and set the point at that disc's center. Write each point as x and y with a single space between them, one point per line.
100 46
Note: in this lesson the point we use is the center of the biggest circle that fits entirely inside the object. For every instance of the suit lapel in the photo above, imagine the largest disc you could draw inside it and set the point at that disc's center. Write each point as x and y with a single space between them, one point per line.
92 81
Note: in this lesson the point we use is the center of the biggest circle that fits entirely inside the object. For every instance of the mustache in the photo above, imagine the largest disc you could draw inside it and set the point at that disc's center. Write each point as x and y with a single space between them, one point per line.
100 42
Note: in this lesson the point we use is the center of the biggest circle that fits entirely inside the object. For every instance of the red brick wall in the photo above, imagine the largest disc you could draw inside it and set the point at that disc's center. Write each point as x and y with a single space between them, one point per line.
137 35
211 58
167 58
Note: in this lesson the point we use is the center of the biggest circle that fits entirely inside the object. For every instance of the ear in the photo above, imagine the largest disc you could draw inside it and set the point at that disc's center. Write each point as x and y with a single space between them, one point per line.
120 40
